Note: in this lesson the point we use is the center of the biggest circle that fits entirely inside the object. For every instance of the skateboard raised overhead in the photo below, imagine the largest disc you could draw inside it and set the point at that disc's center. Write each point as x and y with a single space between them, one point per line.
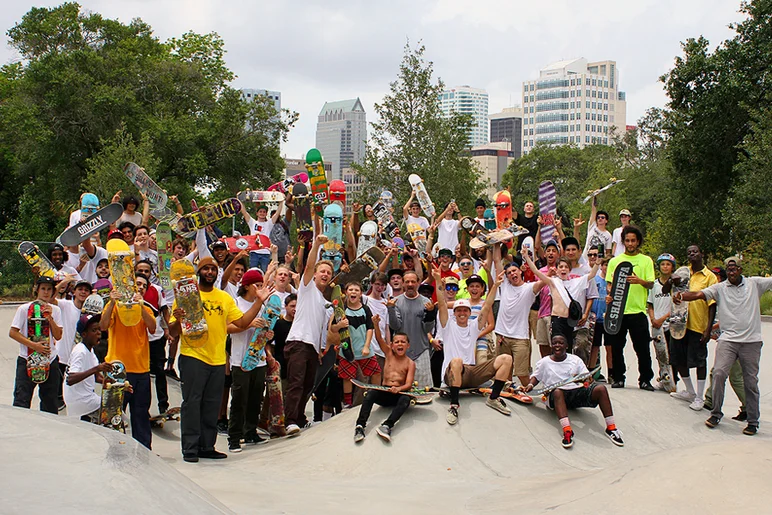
338 192
38 365
93 224
595 193
332 227
612 320
387 198
422 195
285 185
254 242
361 268
386 219
120 259
417 395
490 219
339 314
210 214
368 237
499 236
679 313
270 197
255 353
163 240
146 185
418 235
188 298
547 210
528 244
302 208
318 179
503 207
41 266
472 227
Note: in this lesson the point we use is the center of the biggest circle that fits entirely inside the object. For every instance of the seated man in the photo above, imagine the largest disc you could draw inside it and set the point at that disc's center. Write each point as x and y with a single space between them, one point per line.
560 366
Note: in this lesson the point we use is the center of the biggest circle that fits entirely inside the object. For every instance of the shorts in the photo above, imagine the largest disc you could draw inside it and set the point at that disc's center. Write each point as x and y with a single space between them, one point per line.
559 325
348 369
688 351
598 337
533 318
473 375
543 331
519 349
576 397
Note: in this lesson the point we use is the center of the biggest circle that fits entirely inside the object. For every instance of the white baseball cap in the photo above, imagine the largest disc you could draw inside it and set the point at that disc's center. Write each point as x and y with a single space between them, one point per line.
462 303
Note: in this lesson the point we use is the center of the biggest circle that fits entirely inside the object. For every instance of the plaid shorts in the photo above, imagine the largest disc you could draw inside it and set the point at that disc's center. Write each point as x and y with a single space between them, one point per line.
348 369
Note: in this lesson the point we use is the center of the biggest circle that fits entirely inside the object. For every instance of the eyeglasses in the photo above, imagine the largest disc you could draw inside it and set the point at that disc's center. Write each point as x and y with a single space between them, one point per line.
465 263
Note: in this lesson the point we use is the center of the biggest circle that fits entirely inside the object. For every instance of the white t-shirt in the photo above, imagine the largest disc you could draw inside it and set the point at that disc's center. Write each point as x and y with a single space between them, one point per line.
459 342
70 317
514 307
548 371
595 237
661 302
378 307
81 399
263 228
240 341
616 237
310 317
88 272
74 218
66 270
448 234
136 218
232 290
20 323
163 301
420 220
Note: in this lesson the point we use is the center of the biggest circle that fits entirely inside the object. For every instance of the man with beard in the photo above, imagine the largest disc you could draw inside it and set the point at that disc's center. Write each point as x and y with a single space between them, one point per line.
202 368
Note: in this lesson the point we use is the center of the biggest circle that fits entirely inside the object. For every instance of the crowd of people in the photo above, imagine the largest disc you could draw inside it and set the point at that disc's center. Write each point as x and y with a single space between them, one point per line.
455 319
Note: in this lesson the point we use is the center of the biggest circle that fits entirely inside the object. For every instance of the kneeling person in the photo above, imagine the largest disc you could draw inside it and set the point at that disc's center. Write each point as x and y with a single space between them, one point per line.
560 366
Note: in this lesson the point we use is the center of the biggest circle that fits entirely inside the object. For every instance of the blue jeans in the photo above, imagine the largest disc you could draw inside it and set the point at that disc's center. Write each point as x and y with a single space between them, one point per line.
260 261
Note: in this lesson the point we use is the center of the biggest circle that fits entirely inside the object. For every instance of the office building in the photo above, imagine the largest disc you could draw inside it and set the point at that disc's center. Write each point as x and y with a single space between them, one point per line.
491 161
467 100
251 94
573 102
295 166
507 126
341 134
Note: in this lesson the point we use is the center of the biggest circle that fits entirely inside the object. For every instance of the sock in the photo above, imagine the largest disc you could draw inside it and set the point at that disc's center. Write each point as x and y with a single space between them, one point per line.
700 388
610 423
688 384
497 387
326 415
565 424
454 394
348 398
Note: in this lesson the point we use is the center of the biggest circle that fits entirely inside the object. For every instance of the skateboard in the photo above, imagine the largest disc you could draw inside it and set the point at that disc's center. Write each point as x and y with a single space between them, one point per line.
285 185
318 178
272 197
579 378
332 227
302 208
509 393
146 185
254 242
418 235
93 305
594 193
679 313
503 207
91 225
417 395
38 364
528 244
255 353
490 220
500 236
361 268
103 287
368 237
387 198
111 407
40 264
329 359
472 227
339 313
89 205
185 284
118 372
172 414
163 239
275 396
386 220
547 210
338 192
612 321
663 359
121 262
210 214
421 194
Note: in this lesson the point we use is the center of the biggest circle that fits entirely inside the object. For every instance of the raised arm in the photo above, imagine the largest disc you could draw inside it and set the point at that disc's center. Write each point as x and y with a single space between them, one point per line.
277 213
407 205
308 273
487 308
145 209
441 302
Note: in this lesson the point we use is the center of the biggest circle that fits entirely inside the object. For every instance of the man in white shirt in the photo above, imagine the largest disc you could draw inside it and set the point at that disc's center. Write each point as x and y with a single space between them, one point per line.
447 227
411 213
262 225
617 246
84 371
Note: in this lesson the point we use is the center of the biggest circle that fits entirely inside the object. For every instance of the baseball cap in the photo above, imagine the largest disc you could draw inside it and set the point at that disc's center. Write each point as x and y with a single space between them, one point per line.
252 276
83 282
445 252
395 271
425 289
87 320
462 303
552 243
450 280
737 260
114 233
89 200
479 203
625 212
217 243
474 278
666 257
43 279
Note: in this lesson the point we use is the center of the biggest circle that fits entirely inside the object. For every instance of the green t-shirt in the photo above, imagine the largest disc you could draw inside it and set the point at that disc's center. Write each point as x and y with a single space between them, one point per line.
462 292
643 267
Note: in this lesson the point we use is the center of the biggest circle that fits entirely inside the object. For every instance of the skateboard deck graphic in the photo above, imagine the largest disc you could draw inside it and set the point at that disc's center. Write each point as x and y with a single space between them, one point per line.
91 225
418 235
386 220
579 378
528 244
255 353
89 204
333 229
490 219
208 215
368 237
503 207
163 239
547 210
499 236
185 284
417 395
612 320
36 259
325 367
509 393
387 198
338 192
318 179
275 396
361 268
38 364
339 313
663 359
285 185
254 242
302 207
271 197
146 185
472 227
679 313
93 305
594 193
111 408
421 194
121 262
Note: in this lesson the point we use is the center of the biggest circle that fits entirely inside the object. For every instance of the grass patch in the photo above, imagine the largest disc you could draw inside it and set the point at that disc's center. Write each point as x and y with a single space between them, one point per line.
766 303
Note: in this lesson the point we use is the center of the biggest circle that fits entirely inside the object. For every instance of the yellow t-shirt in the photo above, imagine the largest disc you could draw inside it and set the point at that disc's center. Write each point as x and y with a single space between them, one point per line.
129 344
219 310
698 309
637 295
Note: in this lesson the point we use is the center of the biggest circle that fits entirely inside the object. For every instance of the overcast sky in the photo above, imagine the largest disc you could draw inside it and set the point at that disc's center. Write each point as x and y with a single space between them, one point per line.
322 51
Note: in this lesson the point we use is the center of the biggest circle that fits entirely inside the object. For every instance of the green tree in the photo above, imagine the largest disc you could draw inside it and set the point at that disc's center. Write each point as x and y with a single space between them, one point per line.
412 137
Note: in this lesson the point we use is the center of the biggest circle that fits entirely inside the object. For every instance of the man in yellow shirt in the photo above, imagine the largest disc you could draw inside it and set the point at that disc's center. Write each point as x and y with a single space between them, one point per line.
691 351
130 345
202 367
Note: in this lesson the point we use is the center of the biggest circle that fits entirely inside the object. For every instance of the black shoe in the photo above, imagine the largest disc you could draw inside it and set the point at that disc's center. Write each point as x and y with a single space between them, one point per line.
212 455
618 384
645 385
234 447
742 416
384 432
601 379
222 427
253 439
712 421
62 405
190 458
750 430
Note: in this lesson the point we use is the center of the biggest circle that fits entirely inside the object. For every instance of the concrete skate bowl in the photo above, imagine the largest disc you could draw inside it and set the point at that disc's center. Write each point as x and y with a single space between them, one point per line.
53 464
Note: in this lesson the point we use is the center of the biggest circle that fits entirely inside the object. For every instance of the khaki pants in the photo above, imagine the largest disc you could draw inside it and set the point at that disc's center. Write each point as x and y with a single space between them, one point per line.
519 349
543 331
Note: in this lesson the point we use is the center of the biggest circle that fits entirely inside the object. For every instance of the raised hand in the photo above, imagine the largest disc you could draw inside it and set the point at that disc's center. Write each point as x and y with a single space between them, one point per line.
578 222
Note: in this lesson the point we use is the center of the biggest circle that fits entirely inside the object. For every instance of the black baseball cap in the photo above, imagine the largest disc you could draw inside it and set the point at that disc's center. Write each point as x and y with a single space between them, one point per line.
395 271
474 278
218 243
87 320
552 243
425 289
445 252
44 279
480 203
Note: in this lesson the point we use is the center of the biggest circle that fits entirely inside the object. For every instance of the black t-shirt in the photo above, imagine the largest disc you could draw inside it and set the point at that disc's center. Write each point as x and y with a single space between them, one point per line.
529 223
280 331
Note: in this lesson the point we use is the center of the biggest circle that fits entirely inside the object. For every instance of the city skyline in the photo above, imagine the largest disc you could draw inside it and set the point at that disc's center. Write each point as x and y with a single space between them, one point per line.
466 46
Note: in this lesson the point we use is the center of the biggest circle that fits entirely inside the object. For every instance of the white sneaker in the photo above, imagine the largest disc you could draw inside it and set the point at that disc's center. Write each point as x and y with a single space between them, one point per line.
683 395
697 404
292 429
452 416
499 405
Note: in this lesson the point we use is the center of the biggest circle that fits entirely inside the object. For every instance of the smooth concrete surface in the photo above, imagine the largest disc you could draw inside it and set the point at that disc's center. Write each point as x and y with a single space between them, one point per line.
488 462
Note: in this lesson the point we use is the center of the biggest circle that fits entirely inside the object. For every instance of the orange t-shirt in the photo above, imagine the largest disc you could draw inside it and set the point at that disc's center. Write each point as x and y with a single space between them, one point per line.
129 344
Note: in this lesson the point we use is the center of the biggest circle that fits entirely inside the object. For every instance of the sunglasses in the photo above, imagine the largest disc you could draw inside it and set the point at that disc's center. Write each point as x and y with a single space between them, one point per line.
451 287
592 254
465 263
602 217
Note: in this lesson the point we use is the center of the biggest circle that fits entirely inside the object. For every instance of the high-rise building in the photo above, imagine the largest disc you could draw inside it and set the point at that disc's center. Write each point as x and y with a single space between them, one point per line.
491 161
573 101
467 100
250 94
507 126
341 134
295 166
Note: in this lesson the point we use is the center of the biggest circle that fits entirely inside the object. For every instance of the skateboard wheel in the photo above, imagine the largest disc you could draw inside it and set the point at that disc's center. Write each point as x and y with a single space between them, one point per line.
116 420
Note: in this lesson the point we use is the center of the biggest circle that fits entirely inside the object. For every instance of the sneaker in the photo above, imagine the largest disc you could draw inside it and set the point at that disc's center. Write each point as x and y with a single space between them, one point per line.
696 405
452 416
384 432
645 385
62 405
615 436
310 424
292 429
712 421
234 447
683 395
212 455
601 379
742 416
359 434
347 406
618 384
190 458
254 439
499 405
750 430
568 439
222 427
